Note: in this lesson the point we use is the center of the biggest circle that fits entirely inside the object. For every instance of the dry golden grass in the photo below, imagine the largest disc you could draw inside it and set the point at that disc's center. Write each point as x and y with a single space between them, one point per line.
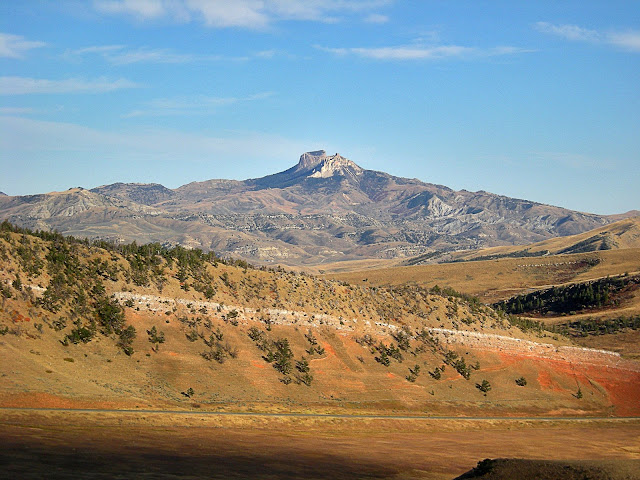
501 278
493 280
36 369
132 445
619 235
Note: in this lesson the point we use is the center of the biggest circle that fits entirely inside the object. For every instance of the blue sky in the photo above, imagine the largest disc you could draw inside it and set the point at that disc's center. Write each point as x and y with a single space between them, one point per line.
537 100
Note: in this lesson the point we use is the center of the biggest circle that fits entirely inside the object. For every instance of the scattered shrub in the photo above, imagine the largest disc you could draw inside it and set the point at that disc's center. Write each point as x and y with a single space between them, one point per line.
437 373
189 392
413 373
156 337
484 387
125 339
192 336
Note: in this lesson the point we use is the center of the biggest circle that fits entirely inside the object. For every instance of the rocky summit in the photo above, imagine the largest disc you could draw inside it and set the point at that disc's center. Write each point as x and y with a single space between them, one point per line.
326 208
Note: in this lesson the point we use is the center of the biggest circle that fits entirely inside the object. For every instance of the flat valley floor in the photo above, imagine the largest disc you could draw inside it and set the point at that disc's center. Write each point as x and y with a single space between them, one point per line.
71 444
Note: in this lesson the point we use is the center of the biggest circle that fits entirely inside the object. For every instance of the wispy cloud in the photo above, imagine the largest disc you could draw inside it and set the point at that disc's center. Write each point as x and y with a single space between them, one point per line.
376 18
26 85
96 49
320 10
140 8
418 52
15 46
629 40
195 105
16 110
147 55
239 13
570 32
121 55
253 14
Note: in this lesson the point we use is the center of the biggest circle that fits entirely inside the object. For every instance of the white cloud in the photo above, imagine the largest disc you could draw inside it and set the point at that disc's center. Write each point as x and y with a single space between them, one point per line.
98 49
328 11
139 8
15 110
120 55
195 105
629 40
376 18
239 13
25 85
402 53
254 14
570 32
418 52
15 46
145 55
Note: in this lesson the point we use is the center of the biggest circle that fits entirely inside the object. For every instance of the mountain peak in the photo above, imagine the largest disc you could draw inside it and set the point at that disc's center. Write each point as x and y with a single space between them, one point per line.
309 160
320 165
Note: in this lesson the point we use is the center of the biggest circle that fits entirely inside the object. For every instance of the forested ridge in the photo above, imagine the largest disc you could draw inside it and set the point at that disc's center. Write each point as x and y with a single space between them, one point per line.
568 299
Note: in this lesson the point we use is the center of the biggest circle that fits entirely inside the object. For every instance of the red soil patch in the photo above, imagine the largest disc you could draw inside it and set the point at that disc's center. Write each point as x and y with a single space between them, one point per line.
328 348
46 400
622 386
257 364
546 383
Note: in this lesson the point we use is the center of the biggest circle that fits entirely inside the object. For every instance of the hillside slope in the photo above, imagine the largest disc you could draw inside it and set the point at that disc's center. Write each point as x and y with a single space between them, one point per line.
91 325
618 235
592 295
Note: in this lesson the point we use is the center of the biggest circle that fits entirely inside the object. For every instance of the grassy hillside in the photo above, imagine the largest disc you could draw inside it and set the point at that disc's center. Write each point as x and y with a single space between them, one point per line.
126 325
528 275
622 234
499 279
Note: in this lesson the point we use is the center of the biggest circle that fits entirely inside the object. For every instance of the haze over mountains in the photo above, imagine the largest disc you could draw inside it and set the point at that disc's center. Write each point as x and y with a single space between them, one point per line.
325 208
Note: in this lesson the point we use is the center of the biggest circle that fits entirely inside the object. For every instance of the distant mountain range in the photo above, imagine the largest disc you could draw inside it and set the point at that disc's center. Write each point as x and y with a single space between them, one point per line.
324 209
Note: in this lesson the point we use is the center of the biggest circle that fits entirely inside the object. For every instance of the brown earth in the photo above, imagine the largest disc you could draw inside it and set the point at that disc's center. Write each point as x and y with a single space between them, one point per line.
627 343
507 469
36 369
79 445
494 280
39 372
622 234
499 279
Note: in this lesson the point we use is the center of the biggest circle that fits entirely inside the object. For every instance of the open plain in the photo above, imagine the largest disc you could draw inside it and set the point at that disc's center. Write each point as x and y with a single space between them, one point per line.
175 445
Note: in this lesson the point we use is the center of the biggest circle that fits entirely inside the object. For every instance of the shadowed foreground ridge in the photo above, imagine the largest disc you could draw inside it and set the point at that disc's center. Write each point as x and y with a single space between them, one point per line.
508 469
92 445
